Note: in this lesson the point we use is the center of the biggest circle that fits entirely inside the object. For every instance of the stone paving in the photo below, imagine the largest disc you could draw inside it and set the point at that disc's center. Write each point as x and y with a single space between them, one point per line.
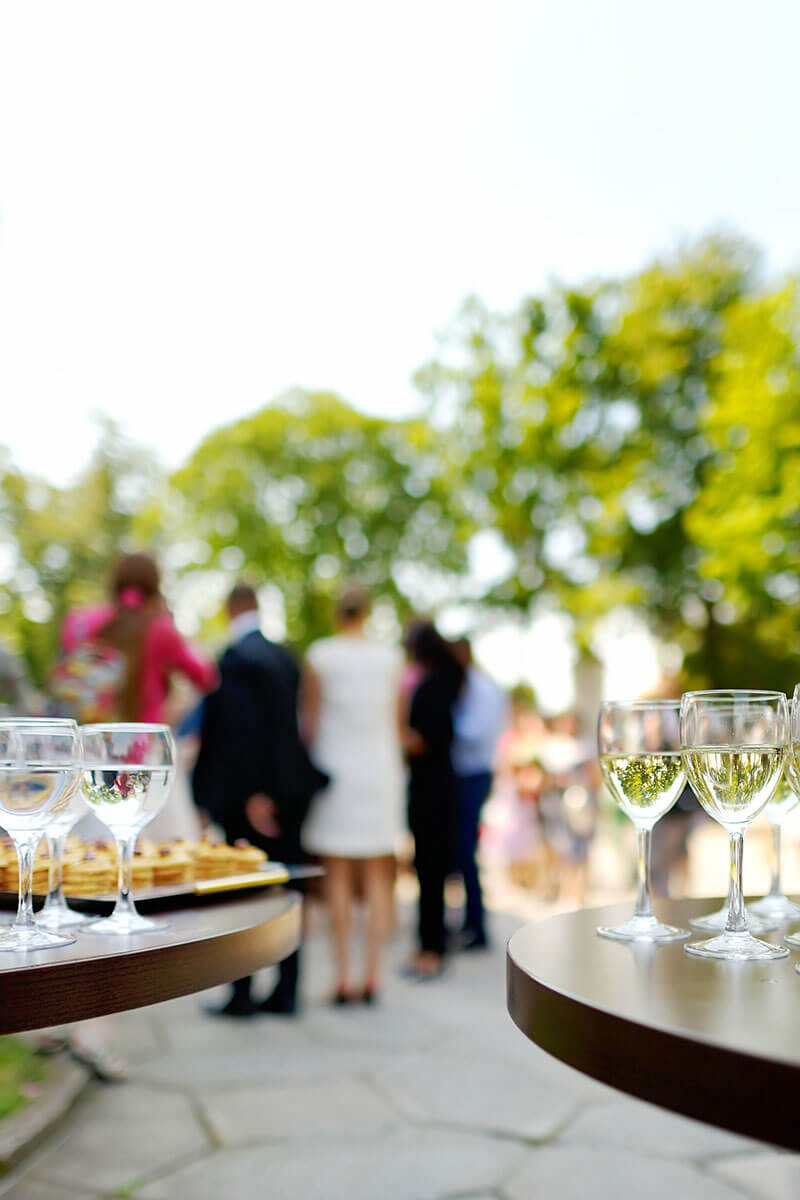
432 1095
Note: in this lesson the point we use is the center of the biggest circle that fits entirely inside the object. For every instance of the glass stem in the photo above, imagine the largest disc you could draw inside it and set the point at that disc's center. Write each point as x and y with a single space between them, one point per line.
25 852
736 922
55 893
644 905
125 847
775 886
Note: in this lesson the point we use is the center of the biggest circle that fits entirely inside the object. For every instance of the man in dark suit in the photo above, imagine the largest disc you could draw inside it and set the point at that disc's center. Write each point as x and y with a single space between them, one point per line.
252 774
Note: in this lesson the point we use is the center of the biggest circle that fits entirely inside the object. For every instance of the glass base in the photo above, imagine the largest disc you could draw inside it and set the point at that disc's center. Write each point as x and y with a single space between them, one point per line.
776 908
793 940
742 947
20 938
643 929
125 923
715 922
60 918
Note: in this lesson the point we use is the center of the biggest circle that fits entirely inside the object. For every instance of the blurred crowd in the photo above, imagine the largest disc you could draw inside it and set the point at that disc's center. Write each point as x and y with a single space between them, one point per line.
346 758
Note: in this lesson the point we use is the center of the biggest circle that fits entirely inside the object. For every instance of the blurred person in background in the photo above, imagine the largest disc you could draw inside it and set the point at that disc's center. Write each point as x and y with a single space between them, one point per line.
568 802
16 694
351 723
432 786
252 776
136 634
138 626
480 715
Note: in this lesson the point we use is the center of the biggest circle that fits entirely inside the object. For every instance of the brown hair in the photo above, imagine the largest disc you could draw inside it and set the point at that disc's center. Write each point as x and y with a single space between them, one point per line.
352 602
136 596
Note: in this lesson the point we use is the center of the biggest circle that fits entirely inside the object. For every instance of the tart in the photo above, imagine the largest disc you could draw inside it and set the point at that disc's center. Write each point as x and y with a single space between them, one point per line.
90 874
213 859
247 857
172 865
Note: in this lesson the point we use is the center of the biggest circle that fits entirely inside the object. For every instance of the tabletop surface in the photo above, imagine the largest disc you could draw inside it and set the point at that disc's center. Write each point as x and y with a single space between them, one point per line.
683 1032
99 973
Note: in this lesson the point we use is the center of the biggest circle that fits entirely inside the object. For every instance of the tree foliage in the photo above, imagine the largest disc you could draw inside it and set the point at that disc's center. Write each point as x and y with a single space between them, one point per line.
310 492
636 442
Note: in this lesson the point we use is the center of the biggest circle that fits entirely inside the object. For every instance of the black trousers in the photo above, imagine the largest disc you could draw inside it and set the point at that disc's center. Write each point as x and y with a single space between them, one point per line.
430 818
286 850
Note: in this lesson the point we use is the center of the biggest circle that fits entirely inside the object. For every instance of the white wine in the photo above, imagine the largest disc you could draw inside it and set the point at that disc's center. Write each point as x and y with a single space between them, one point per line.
644 785
125 798
734 783
784 800
31 797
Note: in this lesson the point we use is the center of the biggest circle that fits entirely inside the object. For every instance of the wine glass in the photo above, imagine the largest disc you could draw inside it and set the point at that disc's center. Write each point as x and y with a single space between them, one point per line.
40 770
639 744
128 775
734 744
792 771
56 913
775 904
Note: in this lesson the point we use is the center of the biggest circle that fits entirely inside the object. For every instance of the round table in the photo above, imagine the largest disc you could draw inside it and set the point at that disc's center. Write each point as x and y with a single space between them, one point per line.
719 1041
102 974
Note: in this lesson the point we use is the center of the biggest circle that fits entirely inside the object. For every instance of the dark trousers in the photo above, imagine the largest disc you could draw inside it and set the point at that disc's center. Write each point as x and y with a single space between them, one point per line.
430 823
285 850
473 791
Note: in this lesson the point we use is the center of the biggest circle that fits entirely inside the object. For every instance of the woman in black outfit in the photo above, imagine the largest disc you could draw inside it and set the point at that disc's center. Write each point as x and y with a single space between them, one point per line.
431 789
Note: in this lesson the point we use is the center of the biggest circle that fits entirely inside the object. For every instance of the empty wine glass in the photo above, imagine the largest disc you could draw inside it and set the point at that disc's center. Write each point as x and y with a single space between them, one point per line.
128 775
40 769
639 745
734 745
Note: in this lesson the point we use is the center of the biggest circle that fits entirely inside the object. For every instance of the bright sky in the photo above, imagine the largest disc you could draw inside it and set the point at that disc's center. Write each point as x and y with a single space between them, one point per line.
202 204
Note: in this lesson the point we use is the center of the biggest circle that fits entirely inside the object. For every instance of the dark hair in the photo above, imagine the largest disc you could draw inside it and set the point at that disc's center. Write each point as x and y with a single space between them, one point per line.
136 596
243 596
352 602
426 646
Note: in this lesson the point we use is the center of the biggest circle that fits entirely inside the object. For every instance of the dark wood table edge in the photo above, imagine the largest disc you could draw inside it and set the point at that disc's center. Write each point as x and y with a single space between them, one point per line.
658 1066
100 986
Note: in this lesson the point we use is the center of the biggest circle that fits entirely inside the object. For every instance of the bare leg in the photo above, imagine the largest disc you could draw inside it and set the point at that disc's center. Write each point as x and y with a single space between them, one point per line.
339 894
379 896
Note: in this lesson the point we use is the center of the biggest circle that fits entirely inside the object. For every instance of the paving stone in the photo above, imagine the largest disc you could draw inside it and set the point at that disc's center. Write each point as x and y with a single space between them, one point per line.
388 1027
412 1165
40 1189
478 1089
575 1172
213 1067
768 1176
653 1131
121 1134
343 1108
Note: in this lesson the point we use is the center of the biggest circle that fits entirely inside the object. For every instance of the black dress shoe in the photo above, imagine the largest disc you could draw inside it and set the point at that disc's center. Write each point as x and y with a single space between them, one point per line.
233 1008
278 1006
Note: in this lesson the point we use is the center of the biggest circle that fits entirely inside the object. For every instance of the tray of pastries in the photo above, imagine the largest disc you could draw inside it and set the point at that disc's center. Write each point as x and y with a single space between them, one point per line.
164 873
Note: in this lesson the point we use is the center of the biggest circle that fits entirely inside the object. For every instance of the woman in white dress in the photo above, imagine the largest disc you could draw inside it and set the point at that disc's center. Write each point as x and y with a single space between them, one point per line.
351 720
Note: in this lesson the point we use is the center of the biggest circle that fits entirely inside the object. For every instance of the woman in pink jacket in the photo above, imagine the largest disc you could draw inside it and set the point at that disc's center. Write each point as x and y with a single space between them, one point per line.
138 625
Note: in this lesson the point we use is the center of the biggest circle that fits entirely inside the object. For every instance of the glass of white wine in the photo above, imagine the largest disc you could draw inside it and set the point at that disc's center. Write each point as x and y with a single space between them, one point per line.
734 744
792 772
640 757
40 770
128 775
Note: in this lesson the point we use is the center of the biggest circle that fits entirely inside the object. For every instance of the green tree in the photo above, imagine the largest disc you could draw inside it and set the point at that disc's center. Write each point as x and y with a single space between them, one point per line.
57 544
308 492
602 427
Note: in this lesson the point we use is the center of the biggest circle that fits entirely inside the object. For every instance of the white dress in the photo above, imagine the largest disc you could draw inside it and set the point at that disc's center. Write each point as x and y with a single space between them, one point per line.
360 813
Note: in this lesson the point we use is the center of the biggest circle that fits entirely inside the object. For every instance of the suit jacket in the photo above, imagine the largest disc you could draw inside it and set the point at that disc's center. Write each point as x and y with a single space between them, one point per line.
250 741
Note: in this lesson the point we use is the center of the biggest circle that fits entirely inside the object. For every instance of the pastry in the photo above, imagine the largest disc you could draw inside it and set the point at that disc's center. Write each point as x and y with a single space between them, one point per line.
247 857
172 864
